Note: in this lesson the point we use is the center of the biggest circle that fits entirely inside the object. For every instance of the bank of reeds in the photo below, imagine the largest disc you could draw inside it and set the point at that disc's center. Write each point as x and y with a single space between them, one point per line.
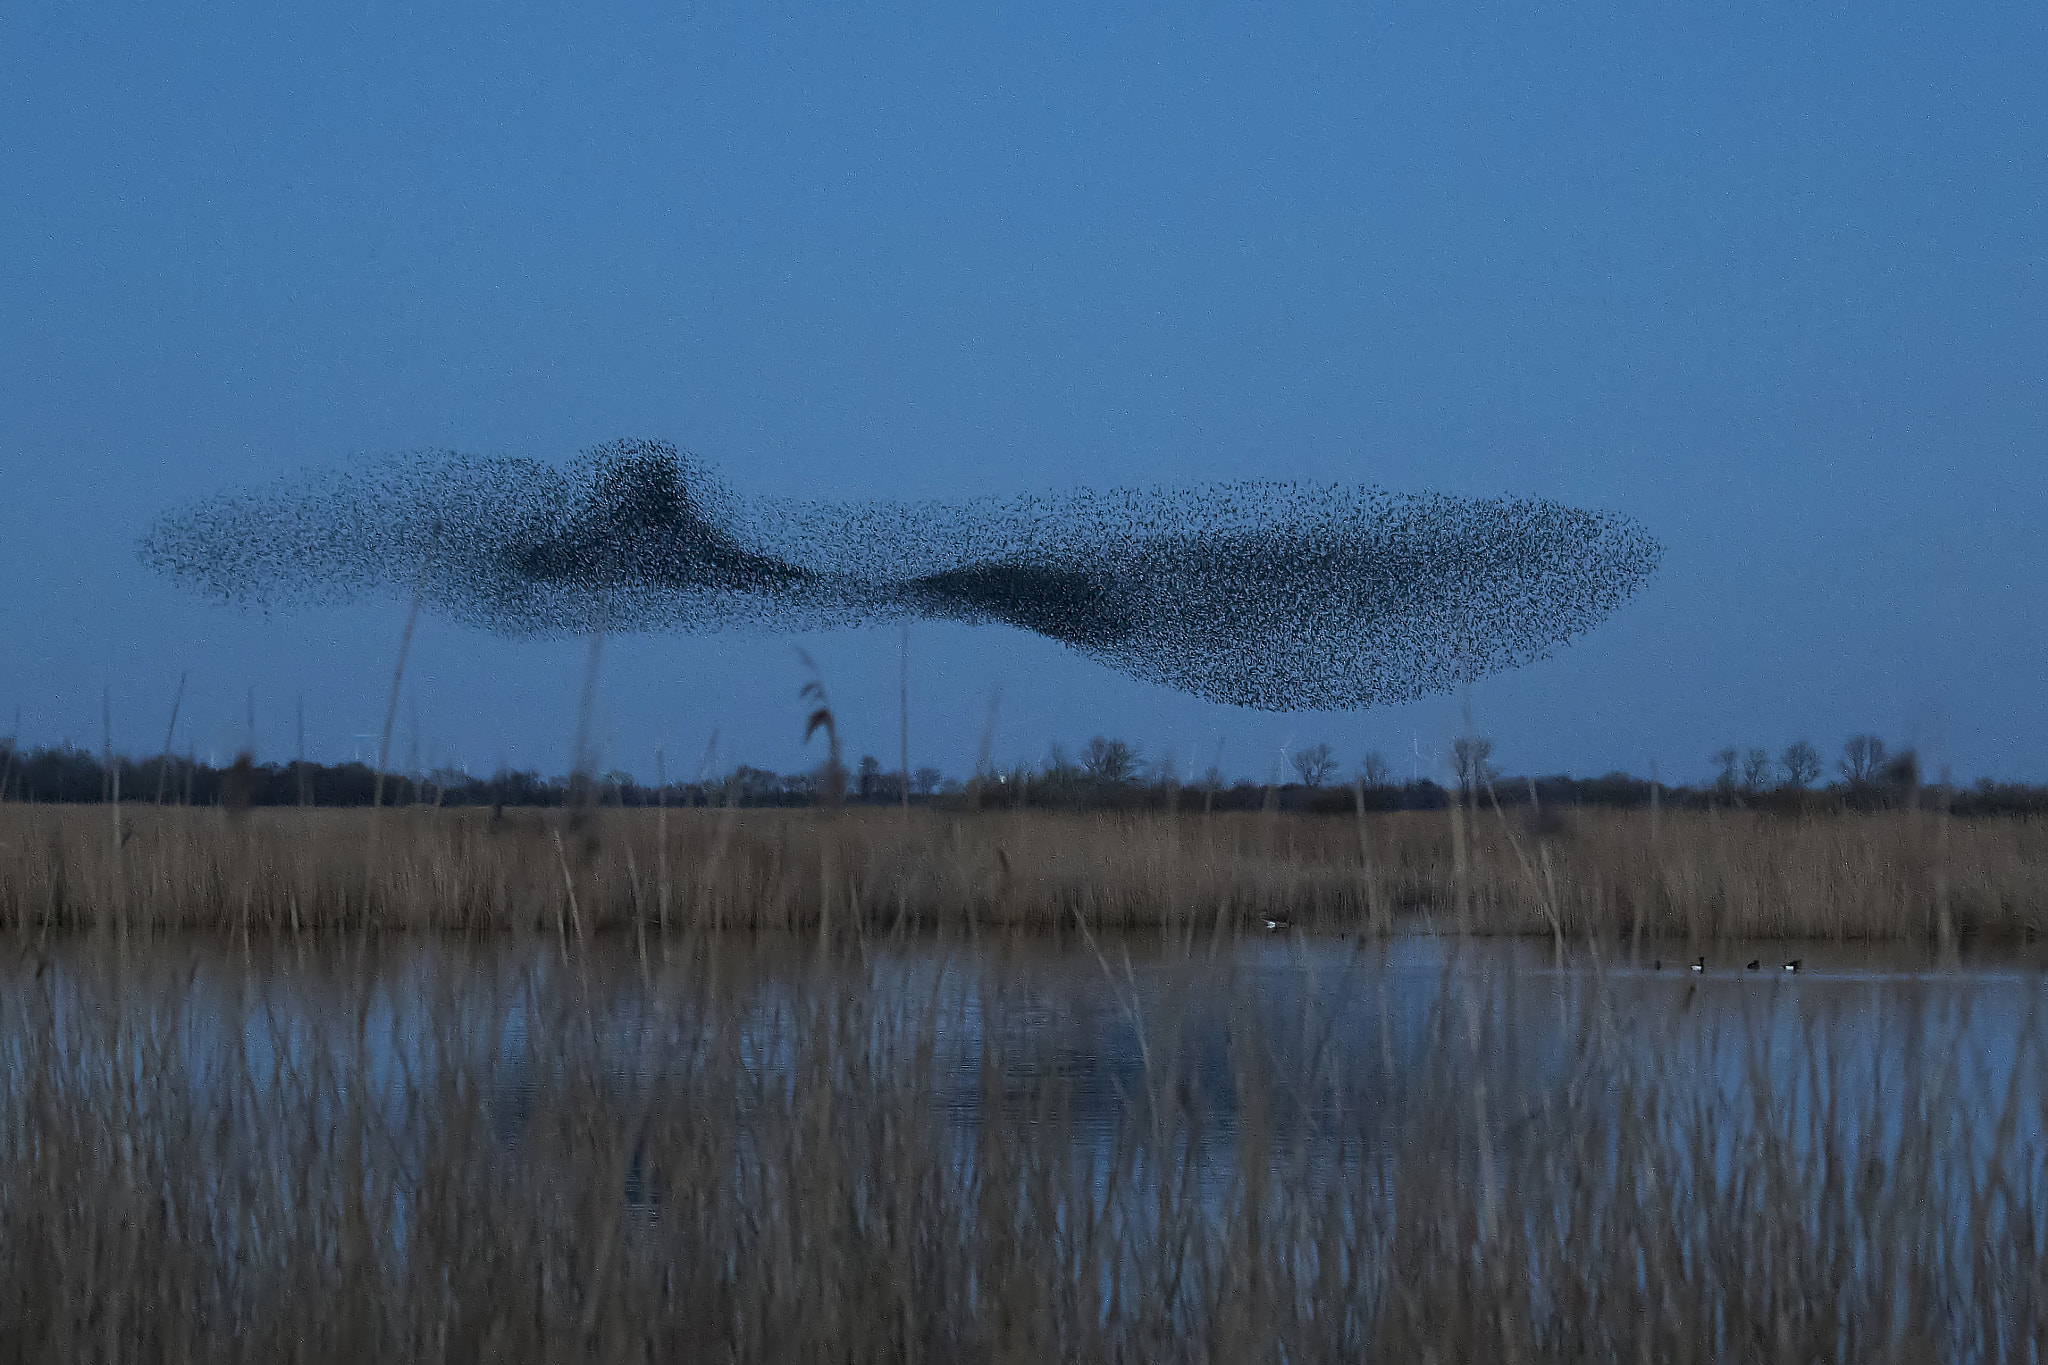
1638 876
527 1165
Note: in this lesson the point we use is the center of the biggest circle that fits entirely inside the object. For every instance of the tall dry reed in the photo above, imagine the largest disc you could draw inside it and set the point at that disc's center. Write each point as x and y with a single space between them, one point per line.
1688 876
518 1159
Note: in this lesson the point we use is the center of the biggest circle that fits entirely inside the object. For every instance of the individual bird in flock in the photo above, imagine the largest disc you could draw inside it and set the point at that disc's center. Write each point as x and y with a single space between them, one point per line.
1699 964
1755 963
1795 964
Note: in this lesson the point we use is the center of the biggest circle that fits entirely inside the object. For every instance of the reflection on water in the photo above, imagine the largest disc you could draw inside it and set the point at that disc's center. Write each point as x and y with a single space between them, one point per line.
1345 1027
1122 1141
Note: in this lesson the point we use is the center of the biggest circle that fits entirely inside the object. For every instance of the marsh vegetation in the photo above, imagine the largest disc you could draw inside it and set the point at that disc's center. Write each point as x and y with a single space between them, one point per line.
1640 877
602 1083
418 1149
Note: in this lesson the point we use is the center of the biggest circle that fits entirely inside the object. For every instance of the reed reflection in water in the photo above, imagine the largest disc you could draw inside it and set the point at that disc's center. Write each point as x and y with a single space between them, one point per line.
1276 1148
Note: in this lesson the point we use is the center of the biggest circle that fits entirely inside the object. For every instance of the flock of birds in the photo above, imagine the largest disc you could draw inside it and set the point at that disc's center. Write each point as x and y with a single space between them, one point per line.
1275 596
1755 964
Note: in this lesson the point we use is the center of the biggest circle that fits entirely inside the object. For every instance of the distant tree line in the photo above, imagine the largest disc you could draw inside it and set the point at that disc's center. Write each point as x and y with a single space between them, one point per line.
1105 775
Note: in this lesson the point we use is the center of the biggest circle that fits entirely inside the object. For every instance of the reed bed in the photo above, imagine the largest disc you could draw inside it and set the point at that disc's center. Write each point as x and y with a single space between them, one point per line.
1691 876
528 1160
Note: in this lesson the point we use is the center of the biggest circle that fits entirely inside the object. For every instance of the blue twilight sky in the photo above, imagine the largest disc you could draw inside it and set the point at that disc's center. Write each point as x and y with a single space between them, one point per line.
1769 278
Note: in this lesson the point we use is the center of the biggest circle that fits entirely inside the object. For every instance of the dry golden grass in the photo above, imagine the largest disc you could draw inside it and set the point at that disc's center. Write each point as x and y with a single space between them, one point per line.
686 1162
1689 876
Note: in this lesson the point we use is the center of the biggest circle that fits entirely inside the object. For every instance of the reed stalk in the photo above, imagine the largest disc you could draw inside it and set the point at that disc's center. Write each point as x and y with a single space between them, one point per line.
213 1157
1595 875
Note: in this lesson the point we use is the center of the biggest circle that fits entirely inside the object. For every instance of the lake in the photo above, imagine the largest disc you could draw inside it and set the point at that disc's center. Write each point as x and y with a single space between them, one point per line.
1366 1120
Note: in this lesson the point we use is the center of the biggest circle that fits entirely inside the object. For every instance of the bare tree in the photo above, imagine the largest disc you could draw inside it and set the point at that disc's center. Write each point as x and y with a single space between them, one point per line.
1863 758
867 775
1315 764
1372 769
1109 761
925 781
1469 755
1726 760
1756 771
1801 762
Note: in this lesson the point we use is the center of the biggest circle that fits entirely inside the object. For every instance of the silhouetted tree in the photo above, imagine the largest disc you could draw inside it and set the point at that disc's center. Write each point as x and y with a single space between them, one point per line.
1469 756
1315 764
238 788
1109 761
749 786
868 777
1863 759
925 781
1801 762
1372 769
1724 780
1756 771
446 780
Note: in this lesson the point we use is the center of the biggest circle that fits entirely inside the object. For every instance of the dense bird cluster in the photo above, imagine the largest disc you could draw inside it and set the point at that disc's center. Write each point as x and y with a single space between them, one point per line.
1275 596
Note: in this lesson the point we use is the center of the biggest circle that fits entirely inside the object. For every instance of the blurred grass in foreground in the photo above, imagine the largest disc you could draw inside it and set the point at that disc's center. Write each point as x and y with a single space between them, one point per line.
491 1159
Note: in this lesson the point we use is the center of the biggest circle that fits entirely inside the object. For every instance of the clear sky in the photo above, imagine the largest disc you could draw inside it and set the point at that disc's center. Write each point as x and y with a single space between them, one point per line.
1768 278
